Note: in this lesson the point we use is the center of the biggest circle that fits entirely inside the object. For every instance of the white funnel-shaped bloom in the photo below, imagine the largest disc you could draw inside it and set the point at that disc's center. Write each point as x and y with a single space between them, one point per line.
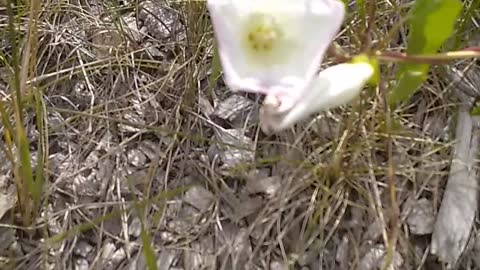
273 46
334 86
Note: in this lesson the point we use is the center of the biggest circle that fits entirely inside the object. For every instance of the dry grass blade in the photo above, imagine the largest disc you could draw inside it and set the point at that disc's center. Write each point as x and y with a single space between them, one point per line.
460 200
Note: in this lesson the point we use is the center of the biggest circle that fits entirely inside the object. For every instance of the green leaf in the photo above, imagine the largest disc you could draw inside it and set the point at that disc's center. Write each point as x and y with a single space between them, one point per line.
216 70
475 111
409 78
432 22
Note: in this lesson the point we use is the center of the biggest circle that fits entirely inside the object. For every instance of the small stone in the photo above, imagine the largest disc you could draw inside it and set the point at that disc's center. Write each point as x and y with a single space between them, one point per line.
276 265
167 237
204 158
81 264
421 218
136 157
135 227
82 249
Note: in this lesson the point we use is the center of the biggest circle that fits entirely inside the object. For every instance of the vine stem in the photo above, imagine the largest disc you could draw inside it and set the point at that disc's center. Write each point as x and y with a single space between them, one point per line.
395 210
441 58
341 56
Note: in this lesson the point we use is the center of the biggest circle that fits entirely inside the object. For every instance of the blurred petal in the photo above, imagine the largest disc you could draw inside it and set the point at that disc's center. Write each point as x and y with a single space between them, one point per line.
334 86
273 46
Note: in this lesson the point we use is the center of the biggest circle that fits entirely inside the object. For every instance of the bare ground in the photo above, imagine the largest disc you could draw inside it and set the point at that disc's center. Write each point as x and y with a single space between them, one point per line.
146 156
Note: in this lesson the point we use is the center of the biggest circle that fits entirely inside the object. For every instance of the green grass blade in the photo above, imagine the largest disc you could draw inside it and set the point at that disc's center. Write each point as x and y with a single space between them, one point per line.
216 70
147 249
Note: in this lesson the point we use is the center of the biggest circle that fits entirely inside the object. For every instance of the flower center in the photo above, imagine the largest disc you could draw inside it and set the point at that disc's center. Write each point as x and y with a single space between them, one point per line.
263 35
263 39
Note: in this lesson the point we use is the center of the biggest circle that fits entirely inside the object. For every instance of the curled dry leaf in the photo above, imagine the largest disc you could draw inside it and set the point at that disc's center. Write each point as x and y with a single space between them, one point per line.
161 21
232 107
235 148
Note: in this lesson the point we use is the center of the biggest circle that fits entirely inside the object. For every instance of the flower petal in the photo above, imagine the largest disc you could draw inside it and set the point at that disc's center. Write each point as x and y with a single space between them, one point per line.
273 46
334 86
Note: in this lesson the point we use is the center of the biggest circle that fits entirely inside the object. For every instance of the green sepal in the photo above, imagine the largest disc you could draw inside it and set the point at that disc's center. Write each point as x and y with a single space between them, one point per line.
373 62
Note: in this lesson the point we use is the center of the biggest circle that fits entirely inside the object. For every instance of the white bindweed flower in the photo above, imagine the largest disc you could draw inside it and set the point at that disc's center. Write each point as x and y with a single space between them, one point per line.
334 86
273 46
